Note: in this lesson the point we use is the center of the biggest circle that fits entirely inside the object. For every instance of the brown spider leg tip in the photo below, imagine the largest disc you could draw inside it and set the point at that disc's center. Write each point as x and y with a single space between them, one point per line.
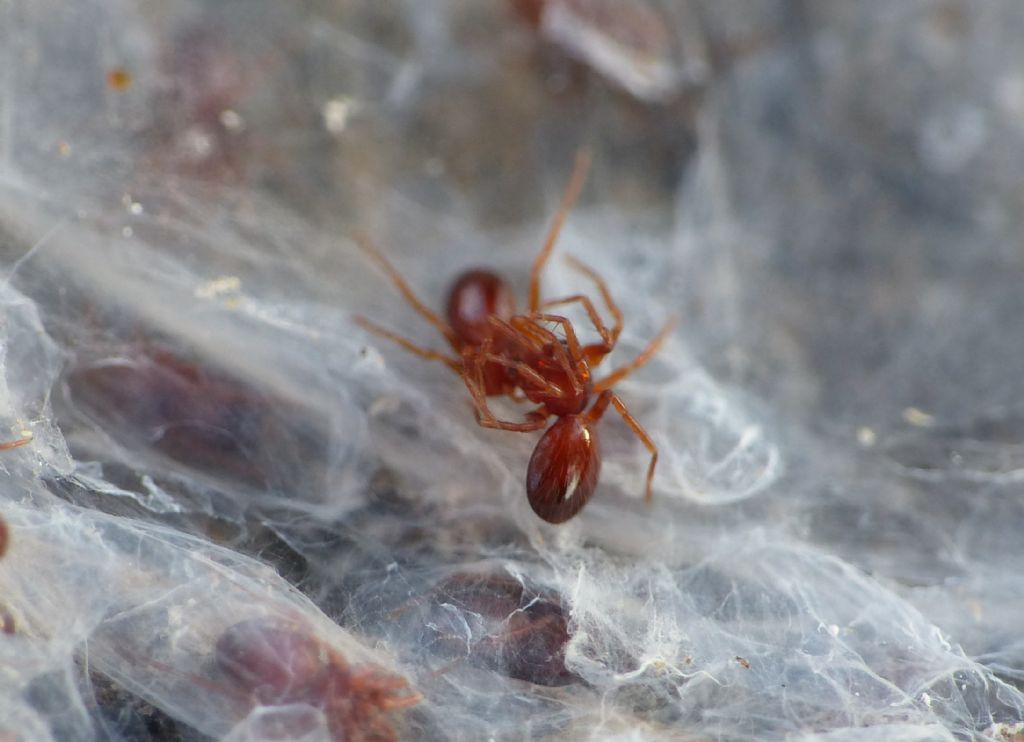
362 240
667 329
649 493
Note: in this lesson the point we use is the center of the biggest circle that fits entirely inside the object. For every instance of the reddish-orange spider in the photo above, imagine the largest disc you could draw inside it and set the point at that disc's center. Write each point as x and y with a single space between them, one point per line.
520 356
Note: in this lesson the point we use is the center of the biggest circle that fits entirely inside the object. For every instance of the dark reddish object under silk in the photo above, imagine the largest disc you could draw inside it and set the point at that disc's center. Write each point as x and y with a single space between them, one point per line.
281 664
524 629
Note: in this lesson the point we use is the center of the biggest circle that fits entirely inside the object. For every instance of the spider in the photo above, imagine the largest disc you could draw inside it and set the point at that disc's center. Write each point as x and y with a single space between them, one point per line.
501 353
279 663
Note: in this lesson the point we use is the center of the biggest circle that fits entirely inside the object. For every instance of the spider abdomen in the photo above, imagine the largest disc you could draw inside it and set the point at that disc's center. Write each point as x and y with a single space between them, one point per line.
563 469
474 298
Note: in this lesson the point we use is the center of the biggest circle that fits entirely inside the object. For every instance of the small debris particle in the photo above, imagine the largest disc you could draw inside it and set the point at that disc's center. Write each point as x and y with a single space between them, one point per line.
434 167
918 418
336 113
132 206
231 120
219 287
745 664
119 79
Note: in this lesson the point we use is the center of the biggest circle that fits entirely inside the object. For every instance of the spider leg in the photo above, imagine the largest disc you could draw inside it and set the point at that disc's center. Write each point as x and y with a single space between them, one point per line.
403 702
15 444
598 410
473 378
623 371
515 335
631 421
572 192
404 289
606 337
369 679
526 329
606 294
523 332
484 417
534 420
528 325
570 332
577 368
430 355
478 369
527 371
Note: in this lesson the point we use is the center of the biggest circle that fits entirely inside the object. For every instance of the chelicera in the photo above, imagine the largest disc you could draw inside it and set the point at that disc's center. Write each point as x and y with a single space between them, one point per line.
535 357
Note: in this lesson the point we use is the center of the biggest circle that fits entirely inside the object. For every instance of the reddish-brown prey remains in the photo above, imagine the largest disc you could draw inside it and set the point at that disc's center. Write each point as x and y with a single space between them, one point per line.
280 664
535 357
